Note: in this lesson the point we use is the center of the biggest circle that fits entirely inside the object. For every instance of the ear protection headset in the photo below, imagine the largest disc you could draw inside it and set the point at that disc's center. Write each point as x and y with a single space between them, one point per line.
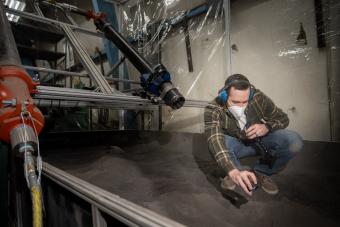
223 93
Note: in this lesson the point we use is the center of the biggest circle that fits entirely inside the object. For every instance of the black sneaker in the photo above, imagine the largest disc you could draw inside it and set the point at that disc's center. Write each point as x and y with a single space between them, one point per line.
266 183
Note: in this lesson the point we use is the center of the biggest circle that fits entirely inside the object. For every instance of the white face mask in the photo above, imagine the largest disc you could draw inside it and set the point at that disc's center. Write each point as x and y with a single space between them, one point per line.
237 111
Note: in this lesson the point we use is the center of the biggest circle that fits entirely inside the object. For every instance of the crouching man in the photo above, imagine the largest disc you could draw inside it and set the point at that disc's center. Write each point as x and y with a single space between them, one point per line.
242 121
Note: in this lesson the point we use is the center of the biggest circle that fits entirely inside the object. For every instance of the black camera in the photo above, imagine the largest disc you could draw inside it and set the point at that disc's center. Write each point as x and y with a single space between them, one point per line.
267 155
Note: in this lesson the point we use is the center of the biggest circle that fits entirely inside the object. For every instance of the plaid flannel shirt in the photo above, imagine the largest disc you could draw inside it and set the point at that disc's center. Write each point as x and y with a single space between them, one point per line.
220 122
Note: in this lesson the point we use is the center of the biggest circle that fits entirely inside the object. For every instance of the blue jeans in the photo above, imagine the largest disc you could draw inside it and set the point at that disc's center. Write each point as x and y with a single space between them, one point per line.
284 144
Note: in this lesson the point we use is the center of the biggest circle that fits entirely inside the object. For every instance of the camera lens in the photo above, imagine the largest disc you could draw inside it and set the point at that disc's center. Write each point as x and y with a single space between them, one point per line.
171 96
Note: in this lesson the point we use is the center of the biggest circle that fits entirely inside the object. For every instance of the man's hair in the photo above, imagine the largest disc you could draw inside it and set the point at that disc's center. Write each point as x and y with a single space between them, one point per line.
237 81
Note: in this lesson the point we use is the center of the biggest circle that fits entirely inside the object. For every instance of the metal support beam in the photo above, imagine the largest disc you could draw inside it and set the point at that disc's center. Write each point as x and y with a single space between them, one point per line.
74 104
87 62
226 6
45 20
85 58
35 5
97 218
68 94
66 13
115 66
115 206
68 73
41 69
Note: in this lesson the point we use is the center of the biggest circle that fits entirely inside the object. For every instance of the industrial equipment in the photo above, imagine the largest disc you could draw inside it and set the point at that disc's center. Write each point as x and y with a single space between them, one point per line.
134 177
20 120
156 81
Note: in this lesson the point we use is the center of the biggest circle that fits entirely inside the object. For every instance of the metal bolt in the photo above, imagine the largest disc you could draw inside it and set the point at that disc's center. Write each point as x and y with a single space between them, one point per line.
12 102
35 78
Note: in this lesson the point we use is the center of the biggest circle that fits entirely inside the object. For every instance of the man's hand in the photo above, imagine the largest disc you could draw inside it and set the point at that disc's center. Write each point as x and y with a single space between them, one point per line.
243 179
256 130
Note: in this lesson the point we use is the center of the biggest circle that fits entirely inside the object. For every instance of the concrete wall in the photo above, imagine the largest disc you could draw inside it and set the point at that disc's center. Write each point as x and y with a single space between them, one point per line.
208 56
295 76
264 32
332 9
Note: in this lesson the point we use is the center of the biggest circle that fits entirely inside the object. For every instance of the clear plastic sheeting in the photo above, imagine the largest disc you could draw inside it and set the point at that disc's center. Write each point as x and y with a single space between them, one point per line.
188 37
288 49
294 52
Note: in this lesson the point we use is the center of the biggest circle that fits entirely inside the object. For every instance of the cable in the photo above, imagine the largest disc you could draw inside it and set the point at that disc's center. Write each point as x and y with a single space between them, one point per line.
39 159
34 186
25 149
36 206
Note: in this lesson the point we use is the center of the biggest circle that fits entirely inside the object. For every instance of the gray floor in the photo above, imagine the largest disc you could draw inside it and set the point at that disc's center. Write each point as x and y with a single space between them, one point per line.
174 175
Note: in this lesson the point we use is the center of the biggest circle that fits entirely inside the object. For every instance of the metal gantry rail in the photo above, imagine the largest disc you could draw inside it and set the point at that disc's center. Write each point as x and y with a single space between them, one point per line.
77 74
46 20
103 201
97 98
87 62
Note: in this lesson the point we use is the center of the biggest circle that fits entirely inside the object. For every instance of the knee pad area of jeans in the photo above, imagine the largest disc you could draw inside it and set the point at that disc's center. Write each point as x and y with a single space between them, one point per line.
296 146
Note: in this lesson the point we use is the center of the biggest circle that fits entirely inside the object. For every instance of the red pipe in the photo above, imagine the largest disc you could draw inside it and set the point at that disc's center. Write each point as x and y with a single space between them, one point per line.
16 84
